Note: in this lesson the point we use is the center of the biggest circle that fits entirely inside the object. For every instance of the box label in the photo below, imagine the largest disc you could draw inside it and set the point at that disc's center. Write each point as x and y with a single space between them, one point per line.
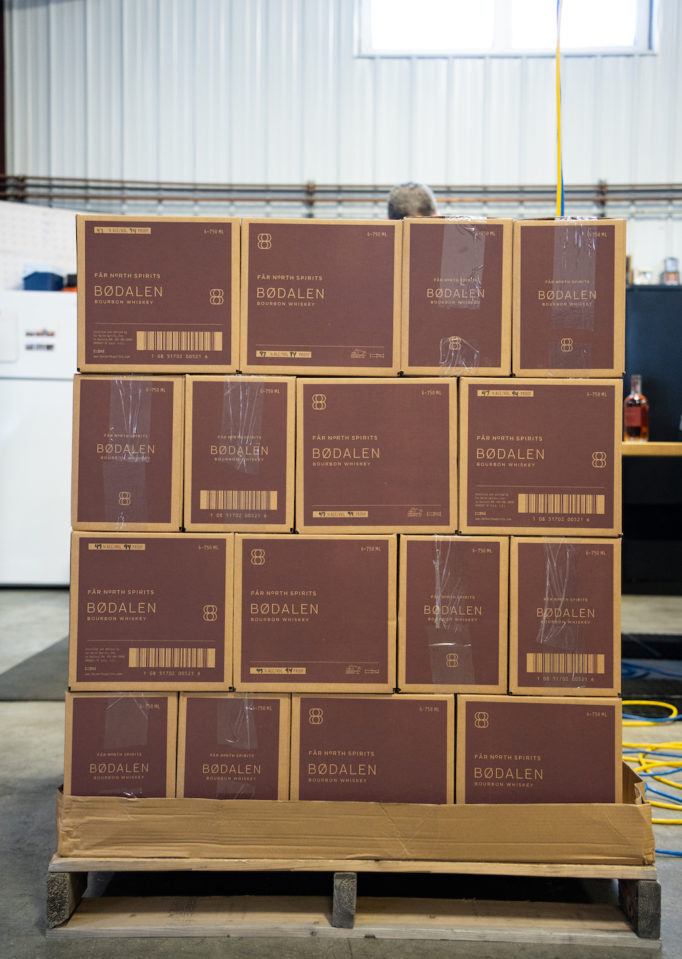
314 610
373 750
321 295
119 746
232 748
541 456
565 614
377 454
455 303
157 293
452 612
239 455
567 296
154 615
125 450
530 752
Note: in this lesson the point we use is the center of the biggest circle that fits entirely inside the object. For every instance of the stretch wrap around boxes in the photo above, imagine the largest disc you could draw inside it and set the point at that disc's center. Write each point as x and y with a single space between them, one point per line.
239 453
127 452
452 625
234 745
456 315
120 744
564 616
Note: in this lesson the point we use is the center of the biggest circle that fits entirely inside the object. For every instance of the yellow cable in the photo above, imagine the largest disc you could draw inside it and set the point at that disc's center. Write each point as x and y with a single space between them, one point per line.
559 177
649 702
643 762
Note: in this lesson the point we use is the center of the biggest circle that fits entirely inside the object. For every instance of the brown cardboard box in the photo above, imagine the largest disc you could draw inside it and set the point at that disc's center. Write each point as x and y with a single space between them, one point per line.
569 297
456 300
315 613
452 622
376 455
373 748
540 456
320 296
157 294
120 744
234 746
151 612
564 616
127 452
239 453
357 834
538 749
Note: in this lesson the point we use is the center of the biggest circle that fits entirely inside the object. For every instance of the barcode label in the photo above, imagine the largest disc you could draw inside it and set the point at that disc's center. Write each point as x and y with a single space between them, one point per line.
562 503
565 663
180 340
238 499
168 657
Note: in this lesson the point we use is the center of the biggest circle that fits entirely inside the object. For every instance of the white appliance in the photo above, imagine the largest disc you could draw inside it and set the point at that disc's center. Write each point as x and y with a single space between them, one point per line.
37 364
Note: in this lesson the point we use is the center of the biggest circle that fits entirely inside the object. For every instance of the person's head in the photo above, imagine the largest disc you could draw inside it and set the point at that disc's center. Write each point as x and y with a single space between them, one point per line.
411 199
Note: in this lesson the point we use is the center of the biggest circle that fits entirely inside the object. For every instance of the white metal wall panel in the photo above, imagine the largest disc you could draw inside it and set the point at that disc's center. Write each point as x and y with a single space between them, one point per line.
101 115
248 94
537 155
271 91
466 121
66 86
178 87
321 92
212 117
139 129
29 62
430 117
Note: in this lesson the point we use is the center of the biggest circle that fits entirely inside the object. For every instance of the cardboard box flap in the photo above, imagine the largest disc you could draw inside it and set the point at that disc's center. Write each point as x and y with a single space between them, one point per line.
242 829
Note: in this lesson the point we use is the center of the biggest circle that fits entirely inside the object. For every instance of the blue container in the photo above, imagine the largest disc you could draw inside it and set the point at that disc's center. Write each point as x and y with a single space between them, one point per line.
43 281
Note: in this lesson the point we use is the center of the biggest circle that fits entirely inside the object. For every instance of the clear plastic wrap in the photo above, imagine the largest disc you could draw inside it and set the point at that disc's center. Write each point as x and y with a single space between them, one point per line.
564 616
456 296
240 453
120 744
234 746
127 452
569 297
452 634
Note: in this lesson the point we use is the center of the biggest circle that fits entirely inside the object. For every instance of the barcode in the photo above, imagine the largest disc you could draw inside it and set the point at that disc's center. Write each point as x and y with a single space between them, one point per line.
179 340
564 662
171 657
562 503
237 499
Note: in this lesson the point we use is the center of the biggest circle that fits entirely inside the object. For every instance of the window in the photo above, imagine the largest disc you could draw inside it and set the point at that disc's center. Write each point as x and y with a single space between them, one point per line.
441 28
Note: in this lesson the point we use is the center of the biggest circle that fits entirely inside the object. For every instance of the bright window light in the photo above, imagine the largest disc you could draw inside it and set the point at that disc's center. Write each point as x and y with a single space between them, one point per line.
428 24
585 24
502 27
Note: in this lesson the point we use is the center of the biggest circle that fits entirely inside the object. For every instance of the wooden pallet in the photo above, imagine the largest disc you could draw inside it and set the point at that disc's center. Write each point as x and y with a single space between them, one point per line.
635 926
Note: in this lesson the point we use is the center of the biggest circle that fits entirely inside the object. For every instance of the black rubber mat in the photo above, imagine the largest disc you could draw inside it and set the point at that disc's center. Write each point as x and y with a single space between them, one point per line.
651 645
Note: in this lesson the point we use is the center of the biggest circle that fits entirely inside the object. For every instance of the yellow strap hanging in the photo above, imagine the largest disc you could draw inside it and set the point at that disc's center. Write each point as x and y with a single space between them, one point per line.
559 174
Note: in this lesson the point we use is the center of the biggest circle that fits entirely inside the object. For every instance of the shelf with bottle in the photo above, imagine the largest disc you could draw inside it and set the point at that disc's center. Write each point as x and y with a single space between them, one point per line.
635 413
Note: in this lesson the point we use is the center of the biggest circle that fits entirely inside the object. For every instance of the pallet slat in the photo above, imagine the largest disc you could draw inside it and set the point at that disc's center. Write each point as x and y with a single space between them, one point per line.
598 926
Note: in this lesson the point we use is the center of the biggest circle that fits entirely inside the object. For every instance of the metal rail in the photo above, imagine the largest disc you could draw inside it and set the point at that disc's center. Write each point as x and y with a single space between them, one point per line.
22 188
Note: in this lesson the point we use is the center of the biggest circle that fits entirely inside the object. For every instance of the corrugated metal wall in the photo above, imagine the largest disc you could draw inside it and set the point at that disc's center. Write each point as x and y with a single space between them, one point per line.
270 91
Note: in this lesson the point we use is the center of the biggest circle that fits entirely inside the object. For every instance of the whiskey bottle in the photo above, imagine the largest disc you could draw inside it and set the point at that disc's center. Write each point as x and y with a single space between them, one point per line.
636 413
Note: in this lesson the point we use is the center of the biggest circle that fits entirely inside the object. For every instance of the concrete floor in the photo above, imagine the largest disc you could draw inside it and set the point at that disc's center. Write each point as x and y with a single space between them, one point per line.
31 760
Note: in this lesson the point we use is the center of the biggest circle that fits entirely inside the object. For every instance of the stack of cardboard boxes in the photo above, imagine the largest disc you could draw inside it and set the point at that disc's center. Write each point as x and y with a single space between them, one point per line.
456 526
